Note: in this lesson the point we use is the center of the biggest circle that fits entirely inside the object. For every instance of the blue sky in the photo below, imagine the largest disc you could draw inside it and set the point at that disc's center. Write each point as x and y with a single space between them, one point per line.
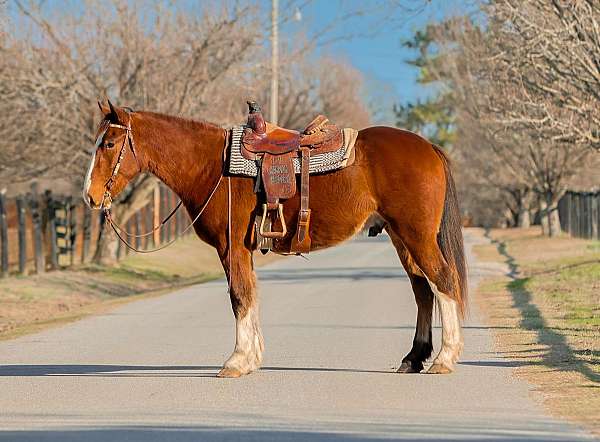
380 57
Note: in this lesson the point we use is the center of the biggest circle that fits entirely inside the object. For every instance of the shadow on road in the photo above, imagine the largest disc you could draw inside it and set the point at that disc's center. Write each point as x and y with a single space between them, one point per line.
362 432
107 370
331 273
150 370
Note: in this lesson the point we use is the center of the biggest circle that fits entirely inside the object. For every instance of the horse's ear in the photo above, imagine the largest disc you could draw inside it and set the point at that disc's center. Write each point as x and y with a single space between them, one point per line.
104 108
116 114
112 108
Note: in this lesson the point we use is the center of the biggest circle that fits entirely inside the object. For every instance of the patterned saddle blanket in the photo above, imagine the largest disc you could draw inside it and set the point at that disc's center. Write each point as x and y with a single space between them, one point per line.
319 163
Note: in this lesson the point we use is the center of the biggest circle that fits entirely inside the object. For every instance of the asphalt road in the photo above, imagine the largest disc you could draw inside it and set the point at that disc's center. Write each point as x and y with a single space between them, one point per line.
334 326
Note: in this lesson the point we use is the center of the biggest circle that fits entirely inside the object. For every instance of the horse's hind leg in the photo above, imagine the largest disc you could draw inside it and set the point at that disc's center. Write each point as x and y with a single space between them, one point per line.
422 342
423 248
429 258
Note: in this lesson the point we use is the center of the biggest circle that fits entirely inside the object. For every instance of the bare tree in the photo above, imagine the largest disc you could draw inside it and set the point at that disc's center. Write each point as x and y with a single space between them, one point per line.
527 138
51 77
151 56
551 49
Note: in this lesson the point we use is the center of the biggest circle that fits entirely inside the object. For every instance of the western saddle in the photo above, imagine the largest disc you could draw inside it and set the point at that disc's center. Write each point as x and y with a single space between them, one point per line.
274 148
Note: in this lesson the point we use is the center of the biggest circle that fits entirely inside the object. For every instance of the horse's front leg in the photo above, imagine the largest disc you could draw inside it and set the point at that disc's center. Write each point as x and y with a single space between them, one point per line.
247 354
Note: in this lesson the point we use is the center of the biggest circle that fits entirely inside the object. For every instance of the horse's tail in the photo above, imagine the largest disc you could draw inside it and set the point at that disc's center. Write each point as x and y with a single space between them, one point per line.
450 239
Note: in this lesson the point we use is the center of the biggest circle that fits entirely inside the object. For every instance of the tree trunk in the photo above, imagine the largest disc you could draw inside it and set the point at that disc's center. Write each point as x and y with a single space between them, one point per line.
550 220
544 217
524 220
524 208
106 247
553 221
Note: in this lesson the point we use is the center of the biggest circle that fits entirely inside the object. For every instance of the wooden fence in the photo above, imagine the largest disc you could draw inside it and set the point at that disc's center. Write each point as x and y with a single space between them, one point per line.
580 214
41 232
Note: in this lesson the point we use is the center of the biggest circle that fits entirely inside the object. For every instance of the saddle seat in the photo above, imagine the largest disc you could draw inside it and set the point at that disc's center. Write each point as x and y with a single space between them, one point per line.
276 141
275 148
262 137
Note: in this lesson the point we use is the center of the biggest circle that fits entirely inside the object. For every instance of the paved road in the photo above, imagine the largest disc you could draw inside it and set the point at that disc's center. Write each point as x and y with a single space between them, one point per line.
334 326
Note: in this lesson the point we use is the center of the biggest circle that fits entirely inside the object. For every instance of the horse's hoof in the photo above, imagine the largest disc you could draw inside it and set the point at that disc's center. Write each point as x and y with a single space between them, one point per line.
228 372
408 367
439 369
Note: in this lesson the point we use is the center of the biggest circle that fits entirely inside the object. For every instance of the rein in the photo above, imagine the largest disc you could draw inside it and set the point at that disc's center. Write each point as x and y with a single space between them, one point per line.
107 197
118 230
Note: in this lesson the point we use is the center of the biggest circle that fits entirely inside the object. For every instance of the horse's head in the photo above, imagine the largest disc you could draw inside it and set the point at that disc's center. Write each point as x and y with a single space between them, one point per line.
114 162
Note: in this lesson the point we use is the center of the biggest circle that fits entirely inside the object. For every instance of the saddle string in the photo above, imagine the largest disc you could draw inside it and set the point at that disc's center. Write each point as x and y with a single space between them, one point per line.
229 243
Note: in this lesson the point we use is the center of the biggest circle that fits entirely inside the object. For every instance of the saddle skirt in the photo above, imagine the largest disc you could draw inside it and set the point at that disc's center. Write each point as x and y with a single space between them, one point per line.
319 163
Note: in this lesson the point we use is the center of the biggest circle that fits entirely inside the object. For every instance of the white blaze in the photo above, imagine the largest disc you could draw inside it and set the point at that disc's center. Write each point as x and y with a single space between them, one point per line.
88 180
88 176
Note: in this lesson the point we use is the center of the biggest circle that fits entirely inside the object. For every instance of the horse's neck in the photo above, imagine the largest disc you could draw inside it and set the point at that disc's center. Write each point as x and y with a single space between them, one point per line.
186 156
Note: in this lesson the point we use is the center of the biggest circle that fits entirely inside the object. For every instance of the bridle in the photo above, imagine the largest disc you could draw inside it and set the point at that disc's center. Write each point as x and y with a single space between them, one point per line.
107 197
106 202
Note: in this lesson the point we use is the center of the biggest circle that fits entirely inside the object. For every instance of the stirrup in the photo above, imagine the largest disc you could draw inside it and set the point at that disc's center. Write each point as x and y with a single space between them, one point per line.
271 234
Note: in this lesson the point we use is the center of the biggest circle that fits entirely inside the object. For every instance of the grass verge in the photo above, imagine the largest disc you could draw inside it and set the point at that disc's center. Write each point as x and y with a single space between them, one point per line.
32 303
546 314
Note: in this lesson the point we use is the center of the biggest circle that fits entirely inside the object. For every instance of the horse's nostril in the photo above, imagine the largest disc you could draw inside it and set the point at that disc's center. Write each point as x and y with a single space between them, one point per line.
91 200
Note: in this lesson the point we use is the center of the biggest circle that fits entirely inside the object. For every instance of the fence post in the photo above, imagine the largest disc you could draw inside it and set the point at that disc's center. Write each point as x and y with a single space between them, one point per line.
51 226
562 202
87 233
590 214
3 236
594 215
583 214
581 217
161 211
156 215
179 222
22 234
138 229
598 213
571 213
148 226
568 212
36 221
72 229
128 228
169 225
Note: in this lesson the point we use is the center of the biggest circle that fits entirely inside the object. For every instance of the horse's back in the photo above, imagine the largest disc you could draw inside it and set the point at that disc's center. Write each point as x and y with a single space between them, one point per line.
396 160
392 168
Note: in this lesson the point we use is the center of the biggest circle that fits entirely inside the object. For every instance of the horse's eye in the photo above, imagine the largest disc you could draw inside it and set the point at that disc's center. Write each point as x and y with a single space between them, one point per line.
110 144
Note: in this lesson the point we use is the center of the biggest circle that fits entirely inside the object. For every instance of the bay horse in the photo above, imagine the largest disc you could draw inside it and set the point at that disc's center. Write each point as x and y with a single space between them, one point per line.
397 175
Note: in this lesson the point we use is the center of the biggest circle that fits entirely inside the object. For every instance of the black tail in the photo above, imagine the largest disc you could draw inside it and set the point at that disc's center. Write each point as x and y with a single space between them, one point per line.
450 239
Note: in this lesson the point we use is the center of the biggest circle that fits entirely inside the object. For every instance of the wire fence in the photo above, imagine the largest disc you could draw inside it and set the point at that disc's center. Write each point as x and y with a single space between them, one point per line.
579 214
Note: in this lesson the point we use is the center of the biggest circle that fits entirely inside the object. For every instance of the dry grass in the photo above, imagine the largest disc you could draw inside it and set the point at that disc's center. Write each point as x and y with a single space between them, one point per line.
547 315
30 303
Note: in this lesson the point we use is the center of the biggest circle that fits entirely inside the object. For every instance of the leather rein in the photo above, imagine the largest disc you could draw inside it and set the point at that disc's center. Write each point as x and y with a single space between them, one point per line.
107 197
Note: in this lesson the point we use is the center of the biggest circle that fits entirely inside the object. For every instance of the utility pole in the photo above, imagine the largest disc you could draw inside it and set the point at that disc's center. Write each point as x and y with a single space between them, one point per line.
274 61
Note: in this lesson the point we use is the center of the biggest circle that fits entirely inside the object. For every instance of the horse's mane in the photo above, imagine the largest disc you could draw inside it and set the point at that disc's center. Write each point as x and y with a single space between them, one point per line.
180 121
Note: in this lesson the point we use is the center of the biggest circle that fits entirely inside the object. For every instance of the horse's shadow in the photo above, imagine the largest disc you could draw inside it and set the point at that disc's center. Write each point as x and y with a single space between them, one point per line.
107 370
205 371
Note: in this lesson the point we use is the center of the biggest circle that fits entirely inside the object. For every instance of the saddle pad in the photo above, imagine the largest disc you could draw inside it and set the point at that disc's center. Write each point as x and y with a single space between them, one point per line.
319 163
